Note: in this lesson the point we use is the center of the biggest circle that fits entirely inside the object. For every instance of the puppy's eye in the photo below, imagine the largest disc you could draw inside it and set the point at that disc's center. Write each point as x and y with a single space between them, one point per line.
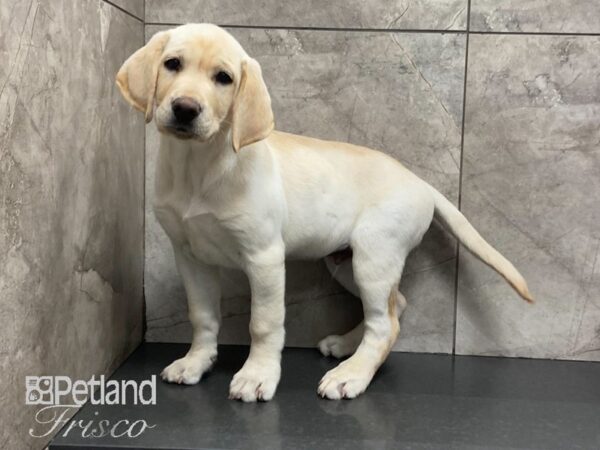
173 64
223 78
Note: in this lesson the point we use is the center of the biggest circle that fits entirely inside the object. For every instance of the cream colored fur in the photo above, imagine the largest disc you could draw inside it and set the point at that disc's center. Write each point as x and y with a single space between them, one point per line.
230 192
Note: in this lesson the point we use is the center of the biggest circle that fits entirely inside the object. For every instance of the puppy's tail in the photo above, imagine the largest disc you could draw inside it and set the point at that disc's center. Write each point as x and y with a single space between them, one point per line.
460 227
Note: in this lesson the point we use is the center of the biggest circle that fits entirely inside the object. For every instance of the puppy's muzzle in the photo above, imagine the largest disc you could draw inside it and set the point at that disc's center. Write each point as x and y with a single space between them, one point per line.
185 110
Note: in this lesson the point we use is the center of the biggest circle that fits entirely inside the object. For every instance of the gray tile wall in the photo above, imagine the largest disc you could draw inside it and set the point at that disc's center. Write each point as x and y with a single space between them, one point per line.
379 14
536 16
531 183
391 75
71 215
134 7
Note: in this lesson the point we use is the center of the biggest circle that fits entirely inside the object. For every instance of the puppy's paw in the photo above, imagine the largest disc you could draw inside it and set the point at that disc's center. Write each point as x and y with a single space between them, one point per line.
337 346
344 381
255 382
187 370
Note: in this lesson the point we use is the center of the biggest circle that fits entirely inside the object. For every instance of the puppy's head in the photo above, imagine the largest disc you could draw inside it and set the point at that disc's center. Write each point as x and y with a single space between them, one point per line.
197 81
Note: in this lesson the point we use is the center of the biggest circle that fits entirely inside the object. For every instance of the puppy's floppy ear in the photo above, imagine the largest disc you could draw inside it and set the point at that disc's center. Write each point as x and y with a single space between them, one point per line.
252 114
137 76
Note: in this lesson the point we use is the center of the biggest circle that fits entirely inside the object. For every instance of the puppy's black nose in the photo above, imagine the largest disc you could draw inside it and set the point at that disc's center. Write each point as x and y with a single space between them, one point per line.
185 109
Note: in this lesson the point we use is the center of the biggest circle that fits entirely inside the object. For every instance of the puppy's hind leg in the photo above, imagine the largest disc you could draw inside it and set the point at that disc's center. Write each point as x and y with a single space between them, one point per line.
343 345
377 264
337 345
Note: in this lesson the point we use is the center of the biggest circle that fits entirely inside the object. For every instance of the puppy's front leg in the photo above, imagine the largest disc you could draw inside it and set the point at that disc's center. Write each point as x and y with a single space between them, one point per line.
203 291
258 378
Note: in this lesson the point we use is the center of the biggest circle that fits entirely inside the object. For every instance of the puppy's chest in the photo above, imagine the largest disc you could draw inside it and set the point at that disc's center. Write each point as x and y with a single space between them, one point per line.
196 225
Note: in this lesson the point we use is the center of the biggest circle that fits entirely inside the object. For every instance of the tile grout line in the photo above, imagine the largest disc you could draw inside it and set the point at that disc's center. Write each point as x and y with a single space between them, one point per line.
386 30
460 174
109 2
144 224
303 28
532 33
145 303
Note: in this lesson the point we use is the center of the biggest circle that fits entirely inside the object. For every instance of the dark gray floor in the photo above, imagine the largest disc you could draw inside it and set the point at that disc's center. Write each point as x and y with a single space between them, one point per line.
415 402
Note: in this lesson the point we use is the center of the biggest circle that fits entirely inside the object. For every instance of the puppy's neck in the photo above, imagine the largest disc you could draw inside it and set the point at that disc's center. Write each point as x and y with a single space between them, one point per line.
203 165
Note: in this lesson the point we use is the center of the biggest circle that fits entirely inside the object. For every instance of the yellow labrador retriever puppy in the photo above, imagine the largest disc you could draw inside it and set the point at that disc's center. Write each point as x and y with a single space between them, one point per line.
232 192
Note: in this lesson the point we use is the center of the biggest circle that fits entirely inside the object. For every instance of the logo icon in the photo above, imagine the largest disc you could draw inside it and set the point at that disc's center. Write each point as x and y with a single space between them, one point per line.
39 390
